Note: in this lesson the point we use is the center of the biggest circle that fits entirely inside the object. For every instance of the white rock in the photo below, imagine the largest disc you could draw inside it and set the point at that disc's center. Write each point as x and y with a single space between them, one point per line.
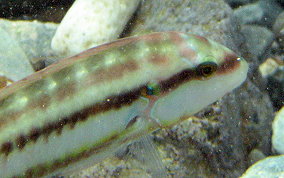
278 132
270 167
89 23
268 67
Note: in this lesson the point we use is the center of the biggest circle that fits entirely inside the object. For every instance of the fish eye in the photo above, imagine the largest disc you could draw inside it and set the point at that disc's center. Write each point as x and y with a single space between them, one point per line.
206 69
150 89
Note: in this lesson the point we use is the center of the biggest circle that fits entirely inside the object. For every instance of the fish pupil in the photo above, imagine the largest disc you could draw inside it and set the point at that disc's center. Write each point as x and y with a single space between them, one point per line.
206 69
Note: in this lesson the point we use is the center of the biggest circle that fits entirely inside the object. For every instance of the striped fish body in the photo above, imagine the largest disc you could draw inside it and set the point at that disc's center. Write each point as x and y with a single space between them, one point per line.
85 106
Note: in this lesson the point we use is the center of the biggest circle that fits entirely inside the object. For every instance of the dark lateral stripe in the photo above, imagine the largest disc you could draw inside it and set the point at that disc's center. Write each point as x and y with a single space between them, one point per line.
110 103
230 64
178 79
41 170
6 148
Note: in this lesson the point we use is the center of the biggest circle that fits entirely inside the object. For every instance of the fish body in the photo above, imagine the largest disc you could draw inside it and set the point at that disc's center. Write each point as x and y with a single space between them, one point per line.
86 106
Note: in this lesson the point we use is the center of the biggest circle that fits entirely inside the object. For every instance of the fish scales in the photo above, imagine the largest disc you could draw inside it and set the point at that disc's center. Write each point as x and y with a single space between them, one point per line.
90 73
82 105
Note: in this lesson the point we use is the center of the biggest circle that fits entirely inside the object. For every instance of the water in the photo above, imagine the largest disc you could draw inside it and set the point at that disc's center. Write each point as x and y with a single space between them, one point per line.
225 138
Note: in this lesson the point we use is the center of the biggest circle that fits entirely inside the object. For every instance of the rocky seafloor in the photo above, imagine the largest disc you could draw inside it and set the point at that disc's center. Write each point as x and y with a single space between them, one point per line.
240 135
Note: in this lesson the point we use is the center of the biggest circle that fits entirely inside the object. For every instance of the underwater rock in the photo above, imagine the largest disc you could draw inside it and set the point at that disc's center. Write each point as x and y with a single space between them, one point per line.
249 14
271 10
272 166
235 3
278 29
255 155
273 70
258 39
275 86
14 63
113 167
34 37
268 67
91 23
278 134
186 17
263 13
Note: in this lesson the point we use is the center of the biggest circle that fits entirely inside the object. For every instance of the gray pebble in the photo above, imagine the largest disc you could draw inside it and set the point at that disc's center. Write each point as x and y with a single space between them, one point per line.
271 10
14 63
255 155
249 14
258 39
278 29
34 37
262 13
234 3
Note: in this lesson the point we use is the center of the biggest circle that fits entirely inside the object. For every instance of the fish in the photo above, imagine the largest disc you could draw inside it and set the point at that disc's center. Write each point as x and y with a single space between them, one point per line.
81 109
